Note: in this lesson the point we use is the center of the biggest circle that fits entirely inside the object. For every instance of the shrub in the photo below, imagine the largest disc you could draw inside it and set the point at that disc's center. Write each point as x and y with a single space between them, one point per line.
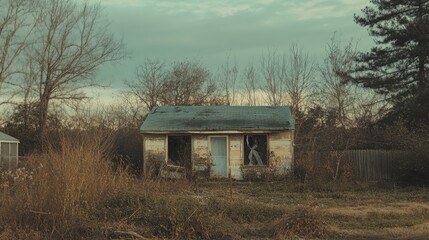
258 174
413 170
154 165
323 166
302 222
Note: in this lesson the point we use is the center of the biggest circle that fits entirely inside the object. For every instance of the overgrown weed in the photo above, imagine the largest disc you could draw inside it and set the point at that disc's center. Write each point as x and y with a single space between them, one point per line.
65 184
178 217
303 222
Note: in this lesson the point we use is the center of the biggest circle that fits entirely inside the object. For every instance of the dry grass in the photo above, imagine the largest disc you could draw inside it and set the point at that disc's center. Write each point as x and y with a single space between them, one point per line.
60 187
72 192
403 208
303 222
393 220
417 232
365 211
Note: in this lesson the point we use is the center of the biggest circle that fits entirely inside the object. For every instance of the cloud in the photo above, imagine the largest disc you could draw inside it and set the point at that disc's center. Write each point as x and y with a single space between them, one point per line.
210 29
301 9
320 9
220 8
123 3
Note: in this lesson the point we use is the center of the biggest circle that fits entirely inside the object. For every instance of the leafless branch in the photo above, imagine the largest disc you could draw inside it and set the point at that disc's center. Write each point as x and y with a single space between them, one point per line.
273 69
71 43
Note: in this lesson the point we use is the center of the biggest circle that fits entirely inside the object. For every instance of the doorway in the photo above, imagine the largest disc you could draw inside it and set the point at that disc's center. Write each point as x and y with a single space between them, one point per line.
219 156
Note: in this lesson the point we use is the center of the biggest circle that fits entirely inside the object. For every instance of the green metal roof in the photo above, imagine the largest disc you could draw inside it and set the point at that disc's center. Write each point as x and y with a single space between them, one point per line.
6 138
218 118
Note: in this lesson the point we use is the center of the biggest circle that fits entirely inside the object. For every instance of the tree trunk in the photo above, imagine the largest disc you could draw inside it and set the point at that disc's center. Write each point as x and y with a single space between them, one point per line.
43 120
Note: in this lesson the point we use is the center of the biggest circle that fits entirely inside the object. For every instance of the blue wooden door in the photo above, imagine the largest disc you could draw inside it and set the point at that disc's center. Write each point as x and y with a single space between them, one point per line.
219 156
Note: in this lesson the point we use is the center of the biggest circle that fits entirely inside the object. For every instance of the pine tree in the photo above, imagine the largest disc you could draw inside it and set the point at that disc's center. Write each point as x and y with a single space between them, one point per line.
398 66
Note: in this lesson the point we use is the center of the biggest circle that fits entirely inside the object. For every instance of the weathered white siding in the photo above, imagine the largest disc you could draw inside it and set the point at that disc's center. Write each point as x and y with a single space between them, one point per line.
154 150
236 156
280 147
200 152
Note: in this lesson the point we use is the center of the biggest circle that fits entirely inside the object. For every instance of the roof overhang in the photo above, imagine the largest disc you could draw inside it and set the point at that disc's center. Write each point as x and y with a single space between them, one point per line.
216 132
7 139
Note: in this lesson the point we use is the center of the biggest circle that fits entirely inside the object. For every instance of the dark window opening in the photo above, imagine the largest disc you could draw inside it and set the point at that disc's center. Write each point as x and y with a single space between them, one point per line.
179 150
255 150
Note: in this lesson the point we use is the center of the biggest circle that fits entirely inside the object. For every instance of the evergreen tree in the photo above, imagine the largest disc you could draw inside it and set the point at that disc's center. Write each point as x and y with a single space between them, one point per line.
398 66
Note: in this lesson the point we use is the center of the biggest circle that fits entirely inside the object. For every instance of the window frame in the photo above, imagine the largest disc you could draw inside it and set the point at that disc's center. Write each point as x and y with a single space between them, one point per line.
244 155
168 146
8 159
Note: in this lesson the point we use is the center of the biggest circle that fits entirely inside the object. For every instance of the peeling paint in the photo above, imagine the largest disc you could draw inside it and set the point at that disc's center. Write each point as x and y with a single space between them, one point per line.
279 150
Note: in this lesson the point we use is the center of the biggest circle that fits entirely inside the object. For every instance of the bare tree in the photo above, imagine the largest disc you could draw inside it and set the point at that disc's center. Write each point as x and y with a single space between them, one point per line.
26 91
132 109
16 26
351 105
98 115
251 85
188 83
71 43
369 107
335 91
273 68
149 84
299 78
228 75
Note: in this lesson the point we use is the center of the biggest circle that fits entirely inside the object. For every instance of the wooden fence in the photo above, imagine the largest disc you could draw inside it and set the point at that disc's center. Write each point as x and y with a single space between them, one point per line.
365 164
376 164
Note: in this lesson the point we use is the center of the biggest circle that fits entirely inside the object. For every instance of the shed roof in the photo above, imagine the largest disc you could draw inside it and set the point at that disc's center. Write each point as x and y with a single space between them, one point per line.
6 138
218 118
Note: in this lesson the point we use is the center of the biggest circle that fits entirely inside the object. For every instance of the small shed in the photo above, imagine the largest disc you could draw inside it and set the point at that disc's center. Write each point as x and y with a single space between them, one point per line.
218 141
8 151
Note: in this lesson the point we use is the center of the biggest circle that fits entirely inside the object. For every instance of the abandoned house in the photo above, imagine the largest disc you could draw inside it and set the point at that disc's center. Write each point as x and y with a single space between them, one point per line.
8 151
217 141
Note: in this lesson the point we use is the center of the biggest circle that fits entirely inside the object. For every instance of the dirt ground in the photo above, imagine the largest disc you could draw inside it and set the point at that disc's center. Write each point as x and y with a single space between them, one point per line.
347 211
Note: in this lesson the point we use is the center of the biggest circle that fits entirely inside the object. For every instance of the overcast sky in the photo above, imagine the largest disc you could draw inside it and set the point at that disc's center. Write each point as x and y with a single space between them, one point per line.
210 30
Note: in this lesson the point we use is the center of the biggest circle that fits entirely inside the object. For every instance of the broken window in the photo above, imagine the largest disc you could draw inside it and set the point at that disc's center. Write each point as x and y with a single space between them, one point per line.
255 150
179 150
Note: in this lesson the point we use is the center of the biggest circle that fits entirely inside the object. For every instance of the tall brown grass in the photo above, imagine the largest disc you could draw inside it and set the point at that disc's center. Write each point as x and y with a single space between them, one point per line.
303 222
64 184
